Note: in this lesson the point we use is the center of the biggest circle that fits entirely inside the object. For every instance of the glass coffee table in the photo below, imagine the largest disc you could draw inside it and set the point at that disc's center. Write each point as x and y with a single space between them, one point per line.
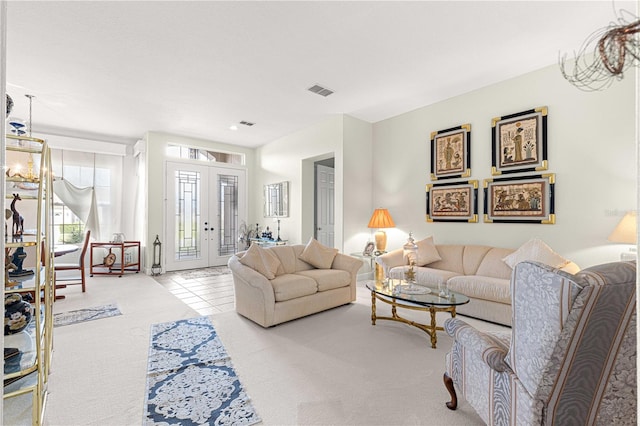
400 294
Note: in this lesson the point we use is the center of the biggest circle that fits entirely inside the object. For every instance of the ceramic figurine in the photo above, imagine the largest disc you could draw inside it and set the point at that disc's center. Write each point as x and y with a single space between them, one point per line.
17 313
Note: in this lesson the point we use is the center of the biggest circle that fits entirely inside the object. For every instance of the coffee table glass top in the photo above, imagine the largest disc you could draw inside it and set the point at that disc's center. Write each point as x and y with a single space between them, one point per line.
420 295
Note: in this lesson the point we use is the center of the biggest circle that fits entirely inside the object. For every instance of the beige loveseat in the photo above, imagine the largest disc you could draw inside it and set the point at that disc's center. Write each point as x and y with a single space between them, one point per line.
290 287
477 271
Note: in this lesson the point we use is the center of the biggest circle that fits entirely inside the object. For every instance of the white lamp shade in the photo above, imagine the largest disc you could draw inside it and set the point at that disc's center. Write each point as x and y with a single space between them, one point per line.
626 230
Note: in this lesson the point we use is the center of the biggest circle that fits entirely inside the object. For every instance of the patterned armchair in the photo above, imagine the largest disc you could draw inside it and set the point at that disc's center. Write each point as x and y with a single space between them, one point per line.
570 358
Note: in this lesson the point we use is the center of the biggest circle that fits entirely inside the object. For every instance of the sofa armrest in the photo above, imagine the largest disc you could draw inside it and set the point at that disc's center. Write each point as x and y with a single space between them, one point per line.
352 266
390 260
488 347
346 263
254 294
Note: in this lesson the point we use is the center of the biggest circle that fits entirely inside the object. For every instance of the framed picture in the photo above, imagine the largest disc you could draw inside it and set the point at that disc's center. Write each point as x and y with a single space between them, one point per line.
451 153
456 202
519 142
524 199
368 249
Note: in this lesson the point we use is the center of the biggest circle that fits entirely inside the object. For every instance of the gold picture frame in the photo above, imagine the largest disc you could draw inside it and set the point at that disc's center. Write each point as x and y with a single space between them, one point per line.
457 202
519 142
451 153
523 199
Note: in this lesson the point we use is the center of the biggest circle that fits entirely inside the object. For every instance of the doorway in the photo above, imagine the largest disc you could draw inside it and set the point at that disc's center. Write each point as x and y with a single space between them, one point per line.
205 205
324 228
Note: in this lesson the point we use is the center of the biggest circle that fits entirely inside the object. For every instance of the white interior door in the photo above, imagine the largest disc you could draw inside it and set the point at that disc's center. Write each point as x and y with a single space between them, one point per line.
205 205
325 205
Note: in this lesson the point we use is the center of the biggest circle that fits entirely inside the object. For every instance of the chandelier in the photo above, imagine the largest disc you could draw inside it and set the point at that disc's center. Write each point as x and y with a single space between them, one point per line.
605 55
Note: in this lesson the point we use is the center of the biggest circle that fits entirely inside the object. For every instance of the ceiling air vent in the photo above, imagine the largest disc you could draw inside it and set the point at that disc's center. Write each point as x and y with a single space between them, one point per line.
322 91
247 123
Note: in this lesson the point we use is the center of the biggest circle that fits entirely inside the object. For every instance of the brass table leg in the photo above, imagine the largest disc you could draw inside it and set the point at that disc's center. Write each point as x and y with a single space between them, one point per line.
373 308
434 337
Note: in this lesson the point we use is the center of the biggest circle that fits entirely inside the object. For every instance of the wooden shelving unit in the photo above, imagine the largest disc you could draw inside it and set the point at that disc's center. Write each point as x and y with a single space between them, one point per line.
26 374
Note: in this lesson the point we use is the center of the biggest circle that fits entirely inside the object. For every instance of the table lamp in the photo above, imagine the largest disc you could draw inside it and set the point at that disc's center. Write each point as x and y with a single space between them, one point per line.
381 219
625 232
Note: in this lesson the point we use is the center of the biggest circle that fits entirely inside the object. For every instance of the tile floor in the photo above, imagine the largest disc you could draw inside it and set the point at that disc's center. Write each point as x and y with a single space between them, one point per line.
207 294
210 290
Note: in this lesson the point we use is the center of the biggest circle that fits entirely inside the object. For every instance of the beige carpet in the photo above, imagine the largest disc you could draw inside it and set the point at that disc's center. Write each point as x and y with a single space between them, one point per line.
330 368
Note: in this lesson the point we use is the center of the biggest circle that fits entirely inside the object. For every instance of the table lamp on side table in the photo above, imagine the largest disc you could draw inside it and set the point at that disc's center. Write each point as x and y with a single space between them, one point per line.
626 232
380 219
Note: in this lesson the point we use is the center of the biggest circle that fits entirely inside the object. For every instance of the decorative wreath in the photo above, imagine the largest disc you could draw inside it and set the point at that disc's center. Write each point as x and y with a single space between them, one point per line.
109 260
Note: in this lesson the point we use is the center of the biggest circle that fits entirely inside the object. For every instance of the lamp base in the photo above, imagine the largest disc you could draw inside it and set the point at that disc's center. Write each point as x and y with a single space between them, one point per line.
381 240
629 256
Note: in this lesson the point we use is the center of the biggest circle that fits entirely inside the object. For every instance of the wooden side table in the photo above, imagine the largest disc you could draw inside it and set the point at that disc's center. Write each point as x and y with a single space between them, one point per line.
109 265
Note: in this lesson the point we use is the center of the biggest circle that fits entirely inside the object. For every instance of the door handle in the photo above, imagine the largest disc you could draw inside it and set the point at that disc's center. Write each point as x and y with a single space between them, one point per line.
319 229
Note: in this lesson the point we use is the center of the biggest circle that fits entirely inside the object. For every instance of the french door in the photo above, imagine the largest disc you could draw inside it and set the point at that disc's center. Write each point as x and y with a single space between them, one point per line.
205 205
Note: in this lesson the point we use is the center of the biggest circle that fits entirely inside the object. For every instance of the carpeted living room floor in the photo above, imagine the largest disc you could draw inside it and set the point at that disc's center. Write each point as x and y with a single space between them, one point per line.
329 368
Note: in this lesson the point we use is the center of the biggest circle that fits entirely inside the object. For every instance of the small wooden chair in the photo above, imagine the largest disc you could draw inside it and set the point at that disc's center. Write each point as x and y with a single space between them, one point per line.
74 280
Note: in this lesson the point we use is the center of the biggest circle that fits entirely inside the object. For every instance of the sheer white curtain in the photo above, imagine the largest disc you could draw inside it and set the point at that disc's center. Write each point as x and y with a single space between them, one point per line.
96 176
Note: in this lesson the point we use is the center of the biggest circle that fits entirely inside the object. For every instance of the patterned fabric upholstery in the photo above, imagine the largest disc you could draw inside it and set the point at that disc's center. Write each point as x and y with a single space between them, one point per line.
570 358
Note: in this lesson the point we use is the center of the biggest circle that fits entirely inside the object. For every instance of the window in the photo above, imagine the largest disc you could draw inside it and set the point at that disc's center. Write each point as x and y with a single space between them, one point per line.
204 155
103 173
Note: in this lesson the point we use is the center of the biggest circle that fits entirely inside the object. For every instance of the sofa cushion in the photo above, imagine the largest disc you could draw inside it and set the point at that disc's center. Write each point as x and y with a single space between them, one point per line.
318 255
429 277
328 279
480 287
292 286
427 252
288 259
451 255
261 260
493 266
535 250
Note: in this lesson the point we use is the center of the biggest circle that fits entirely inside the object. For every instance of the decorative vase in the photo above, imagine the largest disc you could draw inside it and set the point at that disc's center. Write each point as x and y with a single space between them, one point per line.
9 105
17 313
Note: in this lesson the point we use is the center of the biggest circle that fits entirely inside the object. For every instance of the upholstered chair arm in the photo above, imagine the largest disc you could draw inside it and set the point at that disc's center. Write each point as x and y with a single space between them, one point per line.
347 263
492 348
390 260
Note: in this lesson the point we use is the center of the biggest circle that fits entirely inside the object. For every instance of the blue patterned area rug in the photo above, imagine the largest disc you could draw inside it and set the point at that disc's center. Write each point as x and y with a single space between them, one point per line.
191 380
87 314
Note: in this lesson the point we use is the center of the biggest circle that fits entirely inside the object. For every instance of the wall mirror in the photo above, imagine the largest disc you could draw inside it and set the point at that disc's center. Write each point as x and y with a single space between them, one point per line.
276 200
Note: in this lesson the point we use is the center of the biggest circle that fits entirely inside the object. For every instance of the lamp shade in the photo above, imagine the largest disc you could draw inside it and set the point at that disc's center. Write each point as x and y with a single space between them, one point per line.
381 219
626 230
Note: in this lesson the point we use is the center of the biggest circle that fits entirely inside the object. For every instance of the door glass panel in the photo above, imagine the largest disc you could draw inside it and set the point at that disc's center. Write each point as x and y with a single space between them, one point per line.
228 209
187 217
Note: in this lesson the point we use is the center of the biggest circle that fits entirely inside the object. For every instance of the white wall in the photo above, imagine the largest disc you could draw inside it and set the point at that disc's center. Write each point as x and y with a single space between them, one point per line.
591 141
291 159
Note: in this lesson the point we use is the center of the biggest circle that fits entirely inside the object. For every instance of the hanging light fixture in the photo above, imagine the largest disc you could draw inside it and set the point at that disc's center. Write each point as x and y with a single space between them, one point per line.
605 55
30 174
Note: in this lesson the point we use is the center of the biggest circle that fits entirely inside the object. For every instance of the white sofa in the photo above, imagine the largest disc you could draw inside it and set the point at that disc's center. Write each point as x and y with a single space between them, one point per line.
293 287
477 271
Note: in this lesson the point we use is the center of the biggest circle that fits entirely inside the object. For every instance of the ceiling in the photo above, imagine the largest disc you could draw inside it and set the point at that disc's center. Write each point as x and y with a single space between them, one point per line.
115 70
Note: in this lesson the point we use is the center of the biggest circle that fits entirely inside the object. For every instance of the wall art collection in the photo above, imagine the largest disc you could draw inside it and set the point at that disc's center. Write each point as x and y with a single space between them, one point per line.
518 146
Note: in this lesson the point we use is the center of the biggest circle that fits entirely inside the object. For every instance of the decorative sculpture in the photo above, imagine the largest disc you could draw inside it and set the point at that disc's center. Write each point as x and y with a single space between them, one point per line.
18 259
8 267
605 55
18 220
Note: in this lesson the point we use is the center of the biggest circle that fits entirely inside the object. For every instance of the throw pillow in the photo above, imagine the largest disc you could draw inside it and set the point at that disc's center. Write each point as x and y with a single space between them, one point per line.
318 255
537 251
261 260
427 252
